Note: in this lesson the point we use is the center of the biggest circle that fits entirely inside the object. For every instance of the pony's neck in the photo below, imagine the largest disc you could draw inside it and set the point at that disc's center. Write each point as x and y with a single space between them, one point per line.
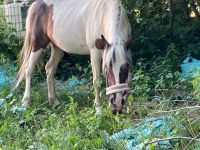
112 20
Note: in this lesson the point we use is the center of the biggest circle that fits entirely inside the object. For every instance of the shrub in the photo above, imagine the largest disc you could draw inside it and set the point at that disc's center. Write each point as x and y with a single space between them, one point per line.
10 44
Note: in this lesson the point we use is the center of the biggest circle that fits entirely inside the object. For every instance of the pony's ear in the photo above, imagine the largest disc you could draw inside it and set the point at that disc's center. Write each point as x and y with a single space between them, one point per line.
128 42
101 43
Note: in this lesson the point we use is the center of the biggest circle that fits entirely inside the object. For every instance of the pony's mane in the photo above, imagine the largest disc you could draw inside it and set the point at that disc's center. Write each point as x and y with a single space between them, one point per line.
114 16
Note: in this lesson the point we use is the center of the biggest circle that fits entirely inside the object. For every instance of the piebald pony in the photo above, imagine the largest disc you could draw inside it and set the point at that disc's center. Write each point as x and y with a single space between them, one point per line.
99 28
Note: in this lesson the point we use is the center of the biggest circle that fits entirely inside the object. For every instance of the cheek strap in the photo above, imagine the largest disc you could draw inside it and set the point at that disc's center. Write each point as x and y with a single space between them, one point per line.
117 88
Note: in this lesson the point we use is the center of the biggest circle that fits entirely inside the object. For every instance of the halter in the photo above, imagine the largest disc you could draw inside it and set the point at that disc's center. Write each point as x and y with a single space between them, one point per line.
117 88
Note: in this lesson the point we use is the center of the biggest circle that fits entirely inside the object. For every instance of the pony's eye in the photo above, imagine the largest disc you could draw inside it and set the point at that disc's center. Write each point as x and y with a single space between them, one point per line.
124 93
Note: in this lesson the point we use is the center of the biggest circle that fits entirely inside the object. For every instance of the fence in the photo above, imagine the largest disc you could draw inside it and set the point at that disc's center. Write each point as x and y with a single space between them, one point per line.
15 13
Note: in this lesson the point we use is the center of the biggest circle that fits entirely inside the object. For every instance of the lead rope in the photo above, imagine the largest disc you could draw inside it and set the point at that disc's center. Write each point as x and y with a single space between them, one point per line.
117 88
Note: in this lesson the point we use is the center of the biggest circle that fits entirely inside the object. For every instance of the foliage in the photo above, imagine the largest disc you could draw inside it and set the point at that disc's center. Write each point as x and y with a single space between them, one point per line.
74 124
158 74
73 65
155 25
10 44
196 86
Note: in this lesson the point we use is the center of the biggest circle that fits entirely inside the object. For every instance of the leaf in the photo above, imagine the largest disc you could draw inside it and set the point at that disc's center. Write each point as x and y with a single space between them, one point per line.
130 98
17 109
169 76
2 102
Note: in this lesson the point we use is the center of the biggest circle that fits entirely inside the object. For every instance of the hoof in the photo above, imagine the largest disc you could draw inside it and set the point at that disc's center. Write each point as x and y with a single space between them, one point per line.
25 102
98 110
54 102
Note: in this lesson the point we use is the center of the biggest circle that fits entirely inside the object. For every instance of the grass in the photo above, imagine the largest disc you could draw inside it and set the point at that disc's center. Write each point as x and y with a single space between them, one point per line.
74 125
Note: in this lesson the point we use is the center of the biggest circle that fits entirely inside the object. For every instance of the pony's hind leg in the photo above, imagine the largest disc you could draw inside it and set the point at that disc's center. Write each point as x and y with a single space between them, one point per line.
34 56
51 66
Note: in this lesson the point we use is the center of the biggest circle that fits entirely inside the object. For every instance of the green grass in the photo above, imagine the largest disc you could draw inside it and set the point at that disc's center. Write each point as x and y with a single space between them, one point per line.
75 126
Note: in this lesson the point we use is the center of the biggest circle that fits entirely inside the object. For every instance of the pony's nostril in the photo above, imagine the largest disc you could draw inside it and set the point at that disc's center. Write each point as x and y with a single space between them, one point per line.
123 101
114 111
112 100
120 112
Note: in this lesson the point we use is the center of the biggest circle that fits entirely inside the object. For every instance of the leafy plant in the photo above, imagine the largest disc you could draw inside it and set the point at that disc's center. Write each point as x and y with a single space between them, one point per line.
10 44
195 83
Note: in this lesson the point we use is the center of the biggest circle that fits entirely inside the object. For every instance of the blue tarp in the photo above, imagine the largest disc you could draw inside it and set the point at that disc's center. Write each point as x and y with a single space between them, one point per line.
6 75
135 138
190 67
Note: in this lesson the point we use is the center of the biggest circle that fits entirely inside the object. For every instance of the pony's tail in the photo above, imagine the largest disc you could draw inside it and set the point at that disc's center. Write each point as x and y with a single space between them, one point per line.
25 52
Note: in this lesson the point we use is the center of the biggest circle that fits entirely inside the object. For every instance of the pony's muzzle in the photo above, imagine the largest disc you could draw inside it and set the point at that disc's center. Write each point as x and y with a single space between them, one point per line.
116 107
123 110
115 111
117 101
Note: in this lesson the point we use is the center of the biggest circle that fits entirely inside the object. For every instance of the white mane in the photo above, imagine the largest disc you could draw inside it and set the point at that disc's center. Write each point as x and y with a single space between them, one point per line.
108 17
116 30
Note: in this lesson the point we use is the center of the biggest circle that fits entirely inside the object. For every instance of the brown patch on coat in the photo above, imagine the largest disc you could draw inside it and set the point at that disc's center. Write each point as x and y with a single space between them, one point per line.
41 25
110 75
123 74
101 43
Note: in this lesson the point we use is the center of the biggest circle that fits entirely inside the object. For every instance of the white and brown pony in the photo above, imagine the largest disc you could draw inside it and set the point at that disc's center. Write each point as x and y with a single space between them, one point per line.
99 28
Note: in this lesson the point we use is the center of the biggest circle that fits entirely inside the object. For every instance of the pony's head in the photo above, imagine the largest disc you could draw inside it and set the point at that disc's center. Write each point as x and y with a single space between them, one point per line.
116 65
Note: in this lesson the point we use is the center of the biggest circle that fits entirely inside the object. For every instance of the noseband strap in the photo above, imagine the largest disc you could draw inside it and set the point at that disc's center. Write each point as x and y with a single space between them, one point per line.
117 88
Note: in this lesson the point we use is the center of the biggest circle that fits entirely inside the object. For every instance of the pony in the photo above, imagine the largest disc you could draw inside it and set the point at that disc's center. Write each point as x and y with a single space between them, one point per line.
99 28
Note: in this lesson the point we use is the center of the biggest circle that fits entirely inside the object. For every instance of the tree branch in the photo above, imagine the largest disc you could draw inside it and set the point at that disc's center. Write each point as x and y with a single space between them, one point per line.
173 138
195 138
176 110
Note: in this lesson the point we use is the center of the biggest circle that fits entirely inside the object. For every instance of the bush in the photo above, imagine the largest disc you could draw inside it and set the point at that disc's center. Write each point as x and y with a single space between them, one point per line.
10 44
153 33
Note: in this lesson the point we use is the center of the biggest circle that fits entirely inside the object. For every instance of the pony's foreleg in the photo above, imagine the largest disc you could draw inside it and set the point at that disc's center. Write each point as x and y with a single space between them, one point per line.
51 66
34 56
96 57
